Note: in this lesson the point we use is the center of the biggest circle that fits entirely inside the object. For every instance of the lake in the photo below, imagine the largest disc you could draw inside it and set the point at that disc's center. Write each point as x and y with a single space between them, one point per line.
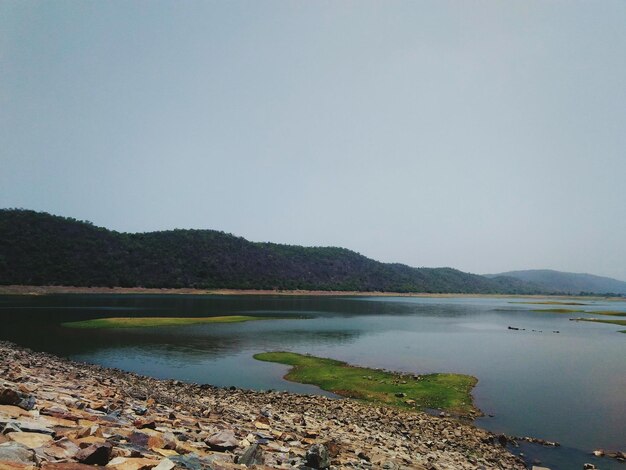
568 386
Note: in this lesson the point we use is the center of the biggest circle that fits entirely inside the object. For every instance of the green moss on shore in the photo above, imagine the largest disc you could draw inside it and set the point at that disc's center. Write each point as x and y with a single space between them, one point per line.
146 322
449 392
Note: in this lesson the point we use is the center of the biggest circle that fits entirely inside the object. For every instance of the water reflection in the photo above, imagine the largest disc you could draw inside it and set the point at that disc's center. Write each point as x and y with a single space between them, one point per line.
566 387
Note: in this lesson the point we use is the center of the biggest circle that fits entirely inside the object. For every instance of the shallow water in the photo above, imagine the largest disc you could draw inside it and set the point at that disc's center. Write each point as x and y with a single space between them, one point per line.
568 386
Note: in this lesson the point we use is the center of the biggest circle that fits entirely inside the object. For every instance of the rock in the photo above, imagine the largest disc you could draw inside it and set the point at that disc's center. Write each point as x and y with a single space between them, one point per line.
222 440
95 454
145 424
535 467
251 456
62 449
165 464
123 463
16 466
65 466
16 452
317 457
32 440
139 439
589 466
13 397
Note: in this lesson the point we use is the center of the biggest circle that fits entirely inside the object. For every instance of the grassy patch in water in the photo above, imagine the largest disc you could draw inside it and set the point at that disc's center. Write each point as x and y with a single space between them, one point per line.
598 320
558 310
146 322
549 302
607 312
450 392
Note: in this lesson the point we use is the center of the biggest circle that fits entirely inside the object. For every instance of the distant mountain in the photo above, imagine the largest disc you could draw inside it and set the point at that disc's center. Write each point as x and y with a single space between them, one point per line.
569 283
42 249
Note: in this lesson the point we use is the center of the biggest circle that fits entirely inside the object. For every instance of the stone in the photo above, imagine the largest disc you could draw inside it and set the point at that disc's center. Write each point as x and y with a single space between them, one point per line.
589 466
16 466
222 440
16 452
13 397
165 464
13 411
95 454
62 449
251 456
123 463
32 440
65 466
317 457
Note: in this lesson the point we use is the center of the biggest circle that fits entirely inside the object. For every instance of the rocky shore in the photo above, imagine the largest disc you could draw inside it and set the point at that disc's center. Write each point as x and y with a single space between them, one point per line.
61 415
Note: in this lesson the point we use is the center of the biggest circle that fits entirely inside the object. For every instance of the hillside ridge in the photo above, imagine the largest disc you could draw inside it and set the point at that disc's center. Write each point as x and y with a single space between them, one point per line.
566 282
37 248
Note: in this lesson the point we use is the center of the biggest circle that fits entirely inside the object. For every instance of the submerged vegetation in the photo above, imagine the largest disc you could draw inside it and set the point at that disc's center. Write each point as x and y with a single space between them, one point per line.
450 392
144 322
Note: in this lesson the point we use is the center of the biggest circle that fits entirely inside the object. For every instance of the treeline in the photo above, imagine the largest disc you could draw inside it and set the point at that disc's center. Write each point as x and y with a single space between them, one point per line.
41 249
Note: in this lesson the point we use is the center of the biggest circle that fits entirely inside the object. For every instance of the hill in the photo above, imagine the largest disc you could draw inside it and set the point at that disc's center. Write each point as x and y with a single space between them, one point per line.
41 249
569 283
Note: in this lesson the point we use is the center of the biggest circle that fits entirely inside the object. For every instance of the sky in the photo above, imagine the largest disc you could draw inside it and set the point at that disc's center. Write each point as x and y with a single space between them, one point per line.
482 135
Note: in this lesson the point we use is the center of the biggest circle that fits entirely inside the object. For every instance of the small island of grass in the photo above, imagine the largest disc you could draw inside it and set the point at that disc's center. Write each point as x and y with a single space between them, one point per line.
549 302
558 310
607 312
599 320
449 392
146 322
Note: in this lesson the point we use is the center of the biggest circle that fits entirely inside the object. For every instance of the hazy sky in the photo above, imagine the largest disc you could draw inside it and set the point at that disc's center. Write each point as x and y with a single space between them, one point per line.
482 135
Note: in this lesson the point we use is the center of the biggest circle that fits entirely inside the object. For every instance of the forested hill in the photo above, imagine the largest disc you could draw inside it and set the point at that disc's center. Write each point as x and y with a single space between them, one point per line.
569 283
41 249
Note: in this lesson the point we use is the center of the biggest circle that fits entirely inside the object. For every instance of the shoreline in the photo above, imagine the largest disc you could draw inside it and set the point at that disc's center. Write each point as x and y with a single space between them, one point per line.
68 412
51 290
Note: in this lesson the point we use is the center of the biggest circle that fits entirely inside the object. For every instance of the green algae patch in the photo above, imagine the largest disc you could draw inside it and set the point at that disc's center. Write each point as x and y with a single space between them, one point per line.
558 310
146 322
449 392
549 302
607 312
599 320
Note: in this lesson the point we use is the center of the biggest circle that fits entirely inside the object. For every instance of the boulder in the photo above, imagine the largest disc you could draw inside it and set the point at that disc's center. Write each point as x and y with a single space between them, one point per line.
32 440
65 466
16 452
317 457
95 454
251 456
222 440
123 463
9 396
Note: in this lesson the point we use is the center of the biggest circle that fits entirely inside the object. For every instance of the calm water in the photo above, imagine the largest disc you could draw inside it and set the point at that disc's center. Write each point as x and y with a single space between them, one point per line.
568 386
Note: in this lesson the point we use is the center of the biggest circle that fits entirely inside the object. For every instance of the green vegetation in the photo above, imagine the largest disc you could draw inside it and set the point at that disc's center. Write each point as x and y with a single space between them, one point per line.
143 322
558 310
41 249
607 312
450 392
550 302
570 283
598 320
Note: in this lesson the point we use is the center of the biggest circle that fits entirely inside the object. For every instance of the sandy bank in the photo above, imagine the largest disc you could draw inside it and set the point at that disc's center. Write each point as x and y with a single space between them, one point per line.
45 290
